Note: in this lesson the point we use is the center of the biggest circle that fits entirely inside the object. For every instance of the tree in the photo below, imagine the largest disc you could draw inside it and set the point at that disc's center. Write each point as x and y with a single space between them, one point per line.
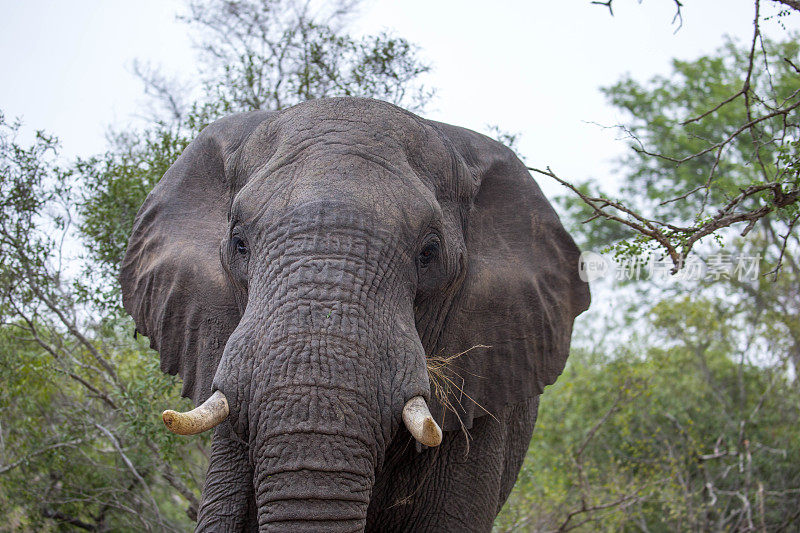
717 143
684 428
79 444
656 182
274 54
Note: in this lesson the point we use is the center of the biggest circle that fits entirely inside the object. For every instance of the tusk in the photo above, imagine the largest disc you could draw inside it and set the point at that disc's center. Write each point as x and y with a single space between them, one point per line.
420 423
202 418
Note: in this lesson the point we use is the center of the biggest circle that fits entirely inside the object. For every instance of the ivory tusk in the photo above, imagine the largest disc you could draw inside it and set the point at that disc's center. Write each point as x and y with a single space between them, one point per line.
420 423
202 418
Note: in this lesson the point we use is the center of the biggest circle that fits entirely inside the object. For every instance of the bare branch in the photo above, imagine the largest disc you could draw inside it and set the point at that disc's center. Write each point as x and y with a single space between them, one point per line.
71 520
164 90
777 268
645 227
132 469
15 464
175 482
796 69
713 109
678 17
727 140
623 501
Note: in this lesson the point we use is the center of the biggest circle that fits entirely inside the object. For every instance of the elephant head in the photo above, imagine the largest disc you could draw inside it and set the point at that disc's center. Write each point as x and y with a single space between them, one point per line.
304 271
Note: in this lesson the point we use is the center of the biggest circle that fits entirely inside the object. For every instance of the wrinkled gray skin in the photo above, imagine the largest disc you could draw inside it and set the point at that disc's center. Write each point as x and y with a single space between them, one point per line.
309 264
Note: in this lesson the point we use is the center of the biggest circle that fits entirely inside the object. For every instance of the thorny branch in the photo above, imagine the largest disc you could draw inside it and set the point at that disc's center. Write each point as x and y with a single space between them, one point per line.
776 190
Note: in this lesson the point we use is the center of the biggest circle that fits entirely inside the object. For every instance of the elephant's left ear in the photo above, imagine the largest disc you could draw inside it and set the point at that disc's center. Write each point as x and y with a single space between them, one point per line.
173 282
521 292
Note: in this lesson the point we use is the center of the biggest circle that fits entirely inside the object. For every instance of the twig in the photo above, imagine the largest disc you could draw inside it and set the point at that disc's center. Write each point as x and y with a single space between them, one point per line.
66 519
565 526
713 109
783 248
727 140
677 17
657 230
607 4
174 480
643 226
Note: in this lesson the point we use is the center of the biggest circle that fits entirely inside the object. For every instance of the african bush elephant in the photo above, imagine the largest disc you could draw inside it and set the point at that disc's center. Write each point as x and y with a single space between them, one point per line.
346 277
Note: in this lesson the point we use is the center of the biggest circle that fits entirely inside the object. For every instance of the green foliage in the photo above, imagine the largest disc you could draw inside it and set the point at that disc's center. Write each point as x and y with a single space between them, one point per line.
687 420
692 425
686 433
657 110
57 461
79 442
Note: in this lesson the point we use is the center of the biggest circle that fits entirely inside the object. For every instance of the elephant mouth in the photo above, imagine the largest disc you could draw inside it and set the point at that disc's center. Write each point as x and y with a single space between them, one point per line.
416 417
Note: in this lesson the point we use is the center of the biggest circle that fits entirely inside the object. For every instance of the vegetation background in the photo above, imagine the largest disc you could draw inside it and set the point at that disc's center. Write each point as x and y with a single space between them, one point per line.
679 406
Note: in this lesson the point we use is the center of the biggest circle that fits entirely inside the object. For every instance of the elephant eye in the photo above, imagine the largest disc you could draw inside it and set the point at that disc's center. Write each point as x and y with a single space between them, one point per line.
240 246
428 253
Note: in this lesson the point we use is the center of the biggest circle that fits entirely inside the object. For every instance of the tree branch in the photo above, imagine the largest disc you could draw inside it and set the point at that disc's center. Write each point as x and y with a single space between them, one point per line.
174 480
132 470
15 464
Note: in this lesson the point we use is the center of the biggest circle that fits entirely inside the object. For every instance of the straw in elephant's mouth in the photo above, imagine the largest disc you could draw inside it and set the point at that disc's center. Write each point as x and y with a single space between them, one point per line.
442 384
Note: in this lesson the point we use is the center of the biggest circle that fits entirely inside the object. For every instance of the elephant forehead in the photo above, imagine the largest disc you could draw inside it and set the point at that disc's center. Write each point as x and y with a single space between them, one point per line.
376 131
364 154
393 198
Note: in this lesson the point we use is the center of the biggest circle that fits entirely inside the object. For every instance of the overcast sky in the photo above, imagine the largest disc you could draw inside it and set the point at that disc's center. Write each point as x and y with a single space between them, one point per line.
528 67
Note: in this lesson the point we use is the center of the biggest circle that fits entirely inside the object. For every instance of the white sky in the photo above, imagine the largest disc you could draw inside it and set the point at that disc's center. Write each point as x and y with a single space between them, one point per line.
528 67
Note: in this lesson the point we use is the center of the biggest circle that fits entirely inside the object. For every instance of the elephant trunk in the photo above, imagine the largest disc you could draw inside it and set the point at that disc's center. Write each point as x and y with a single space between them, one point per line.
319 423
313 482
329 398
317 441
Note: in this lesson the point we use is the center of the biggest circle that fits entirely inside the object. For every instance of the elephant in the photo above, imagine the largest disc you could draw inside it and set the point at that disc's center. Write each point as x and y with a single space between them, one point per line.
364 304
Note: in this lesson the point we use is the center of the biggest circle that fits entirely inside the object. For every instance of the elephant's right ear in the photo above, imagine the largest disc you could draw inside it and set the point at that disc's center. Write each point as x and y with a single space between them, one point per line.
521 290
173 283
